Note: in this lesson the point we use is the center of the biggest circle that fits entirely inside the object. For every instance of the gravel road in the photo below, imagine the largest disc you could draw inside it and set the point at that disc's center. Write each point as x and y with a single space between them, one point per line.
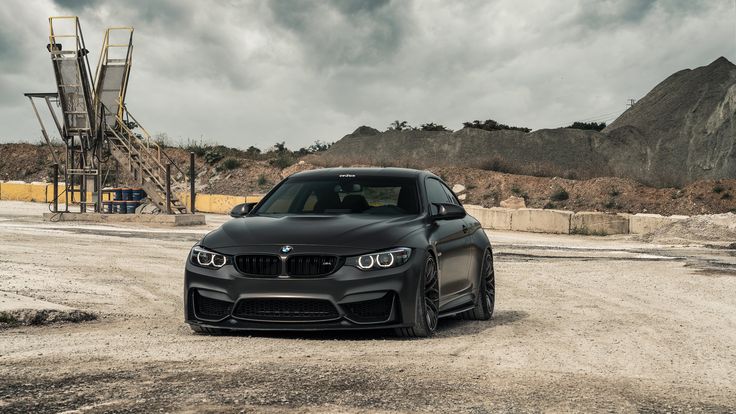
586 324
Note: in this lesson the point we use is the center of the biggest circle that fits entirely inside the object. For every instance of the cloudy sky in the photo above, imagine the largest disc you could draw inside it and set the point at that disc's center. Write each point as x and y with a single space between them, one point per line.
255 72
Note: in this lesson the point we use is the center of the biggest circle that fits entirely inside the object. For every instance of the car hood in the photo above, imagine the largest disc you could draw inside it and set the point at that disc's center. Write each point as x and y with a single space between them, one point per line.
344 231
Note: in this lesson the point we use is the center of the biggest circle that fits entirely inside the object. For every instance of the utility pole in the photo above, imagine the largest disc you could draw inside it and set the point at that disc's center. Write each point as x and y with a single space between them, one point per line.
630 102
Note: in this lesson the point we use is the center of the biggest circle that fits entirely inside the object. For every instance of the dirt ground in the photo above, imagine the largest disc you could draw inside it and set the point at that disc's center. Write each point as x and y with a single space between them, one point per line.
585 324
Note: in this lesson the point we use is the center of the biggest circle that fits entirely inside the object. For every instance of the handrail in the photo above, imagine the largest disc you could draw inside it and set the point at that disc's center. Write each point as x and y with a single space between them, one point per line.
158 147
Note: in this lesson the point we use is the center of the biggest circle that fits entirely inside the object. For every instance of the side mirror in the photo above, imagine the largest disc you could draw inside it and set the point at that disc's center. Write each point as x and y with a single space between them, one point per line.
446 211
241 210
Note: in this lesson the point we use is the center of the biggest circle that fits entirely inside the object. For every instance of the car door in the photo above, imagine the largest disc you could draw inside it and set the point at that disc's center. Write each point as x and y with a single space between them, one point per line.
449 240
469 225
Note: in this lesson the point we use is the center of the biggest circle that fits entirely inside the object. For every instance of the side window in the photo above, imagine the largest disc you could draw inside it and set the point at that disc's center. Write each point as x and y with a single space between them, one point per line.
451 196
435 194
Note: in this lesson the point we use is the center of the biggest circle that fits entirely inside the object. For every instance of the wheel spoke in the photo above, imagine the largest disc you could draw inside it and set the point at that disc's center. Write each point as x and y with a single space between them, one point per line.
431 295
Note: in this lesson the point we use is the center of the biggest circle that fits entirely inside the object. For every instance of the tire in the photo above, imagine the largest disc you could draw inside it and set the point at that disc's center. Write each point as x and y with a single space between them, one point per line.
486 301
428 298
203 330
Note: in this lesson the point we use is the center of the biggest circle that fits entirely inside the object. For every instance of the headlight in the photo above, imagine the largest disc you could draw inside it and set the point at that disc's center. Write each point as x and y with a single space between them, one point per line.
207 258
381 260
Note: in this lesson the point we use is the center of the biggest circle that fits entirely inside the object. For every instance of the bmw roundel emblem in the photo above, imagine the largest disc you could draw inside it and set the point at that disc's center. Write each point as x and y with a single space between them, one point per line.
286 249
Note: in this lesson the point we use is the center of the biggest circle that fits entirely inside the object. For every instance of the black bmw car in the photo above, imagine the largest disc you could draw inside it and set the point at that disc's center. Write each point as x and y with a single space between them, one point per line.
355 248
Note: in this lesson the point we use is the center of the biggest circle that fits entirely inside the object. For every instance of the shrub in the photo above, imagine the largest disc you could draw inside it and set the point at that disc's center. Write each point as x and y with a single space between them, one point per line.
491 125
614 192
550 205
283 161
231 163
560 195
212 156
726 196
262 181
593 126
610 204
433 127
718 189
516 190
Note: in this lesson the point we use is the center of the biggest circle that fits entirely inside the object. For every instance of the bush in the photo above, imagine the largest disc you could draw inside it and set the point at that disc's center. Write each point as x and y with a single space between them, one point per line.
491 125
592 126
433 127
262 181
718 189
560 195
614 192
283 161
212 156
726 196
231 163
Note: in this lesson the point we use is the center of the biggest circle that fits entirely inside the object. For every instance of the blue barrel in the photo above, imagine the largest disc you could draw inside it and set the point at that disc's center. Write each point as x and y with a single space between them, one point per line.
127 194
130 206
121 207
108 207
117 194
137 194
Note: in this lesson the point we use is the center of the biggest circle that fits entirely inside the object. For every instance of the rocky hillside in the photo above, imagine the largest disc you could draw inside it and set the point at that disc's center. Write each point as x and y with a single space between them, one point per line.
682 131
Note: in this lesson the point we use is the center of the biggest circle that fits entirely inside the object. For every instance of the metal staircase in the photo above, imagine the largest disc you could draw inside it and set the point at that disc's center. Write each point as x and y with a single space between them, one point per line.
144 162
142 159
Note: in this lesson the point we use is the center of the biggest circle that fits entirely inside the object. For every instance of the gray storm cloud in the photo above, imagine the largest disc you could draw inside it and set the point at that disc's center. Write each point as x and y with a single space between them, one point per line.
253 73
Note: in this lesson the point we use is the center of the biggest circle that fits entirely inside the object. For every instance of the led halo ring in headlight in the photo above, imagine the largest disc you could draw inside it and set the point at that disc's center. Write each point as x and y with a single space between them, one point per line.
206 258
381 260
385 259
362 262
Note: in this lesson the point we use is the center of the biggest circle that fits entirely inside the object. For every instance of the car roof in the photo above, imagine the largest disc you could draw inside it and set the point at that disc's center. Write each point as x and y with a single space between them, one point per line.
364 171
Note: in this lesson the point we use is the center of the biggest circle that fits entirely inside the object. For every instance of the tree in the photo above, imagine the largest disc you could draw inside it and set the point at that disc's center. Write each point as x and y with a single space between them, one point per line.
398 125
491 125
593 126
433 127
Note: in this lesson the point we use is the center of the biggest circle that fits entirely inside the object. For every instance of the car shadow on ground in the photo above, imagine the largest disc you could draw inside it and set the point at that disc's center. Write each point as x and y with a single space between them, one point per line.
448 327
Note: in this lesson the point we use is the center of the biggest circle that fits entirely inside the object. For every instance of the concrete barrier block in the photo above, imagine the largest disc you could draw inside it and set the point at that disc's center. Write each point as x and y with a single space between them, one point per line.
202 202
222 204
541 221
16 191
38 192
253 198
648 223
598 223
495 218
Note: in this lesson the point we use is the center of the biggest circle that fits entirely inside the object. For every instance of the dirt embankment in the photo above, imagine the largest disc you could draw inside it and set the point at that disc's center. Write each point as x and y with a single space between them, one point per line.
487 188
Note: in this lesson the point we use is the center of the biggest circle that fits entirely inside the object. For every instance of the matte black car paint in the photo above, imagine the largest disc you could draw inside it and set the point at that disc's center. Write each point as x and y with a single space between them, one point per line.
457 244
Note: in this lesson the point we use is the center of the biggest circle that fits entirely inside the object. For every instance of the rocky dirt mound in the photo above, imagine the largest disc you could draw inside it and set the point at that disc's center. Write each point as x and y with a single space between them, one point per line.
26 162
488 188
684 130
715 227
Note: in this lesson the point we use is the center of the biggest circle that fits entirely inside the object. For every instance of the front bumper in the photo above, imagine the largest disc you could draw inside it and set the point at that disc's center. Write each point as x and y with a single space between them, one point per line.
346 299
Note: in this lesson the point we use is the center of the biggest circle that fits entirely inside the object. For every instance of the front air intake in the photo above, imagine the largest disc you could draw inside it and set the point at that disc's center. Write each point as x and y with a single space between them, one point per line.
258 265
311 265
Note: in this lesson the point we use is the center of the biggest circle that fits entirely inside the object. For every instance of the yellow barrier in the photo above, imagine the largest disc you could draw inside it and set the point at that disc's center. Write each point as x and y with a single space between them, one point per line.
44 193
17 191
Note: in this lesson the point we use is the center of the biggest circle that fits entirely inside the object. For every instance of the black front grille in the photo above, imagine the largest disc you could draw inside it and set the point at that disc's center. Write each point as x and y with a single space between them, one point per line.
375 310
208 308
287 309
260 265
310 265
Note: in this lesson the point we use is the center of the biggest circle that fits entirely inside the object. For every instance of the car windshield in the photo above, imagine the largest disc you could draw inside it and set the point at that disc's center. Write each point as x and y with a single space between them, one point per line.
367 195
